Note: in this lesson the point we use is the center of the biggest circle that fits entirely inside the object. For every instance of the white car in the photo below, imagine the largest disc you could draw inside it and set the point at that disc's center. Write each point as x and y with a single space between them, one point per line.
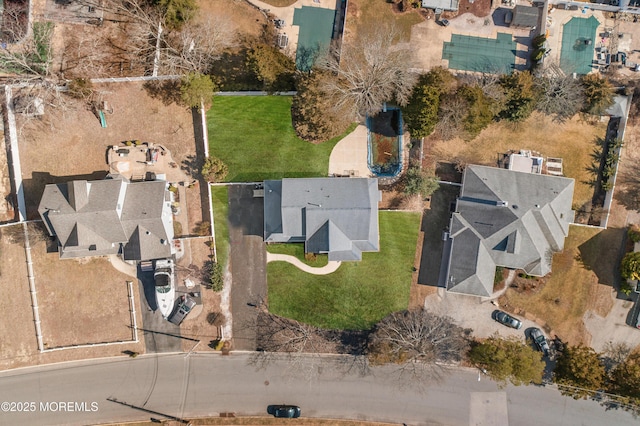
165 287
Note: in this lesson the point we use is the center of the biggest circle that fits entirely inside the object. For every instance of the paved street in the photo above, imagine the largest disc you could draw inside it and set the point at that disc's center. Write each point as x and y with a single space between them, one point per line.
208 384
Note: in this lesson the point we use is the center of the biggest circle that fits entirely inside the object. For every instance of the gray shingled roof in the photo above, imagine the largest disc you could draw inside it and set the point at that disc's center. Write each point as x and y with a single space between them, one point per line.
338 216
525 16
506 218
99 217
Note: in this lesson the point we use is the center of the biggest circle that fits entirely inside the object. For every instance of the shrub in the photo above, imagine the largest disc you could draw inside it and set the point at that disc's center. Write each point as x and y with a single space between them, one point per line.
213 275
418 182
626 288
538 41
214 170
538 54
196 88
634 233
203 228
80 88
630 266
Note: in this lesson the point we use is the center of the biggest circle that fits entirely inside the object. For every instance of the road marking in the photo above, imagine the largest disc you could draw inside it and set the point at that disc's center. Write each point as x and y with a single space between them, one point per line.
488 409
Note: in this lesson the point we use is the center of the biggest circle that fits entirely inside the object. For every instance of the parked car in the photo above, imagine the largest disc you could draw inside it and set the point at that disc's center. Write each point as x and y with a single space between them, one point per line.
165 288
185 306
284 411
506 319
443 22
540 340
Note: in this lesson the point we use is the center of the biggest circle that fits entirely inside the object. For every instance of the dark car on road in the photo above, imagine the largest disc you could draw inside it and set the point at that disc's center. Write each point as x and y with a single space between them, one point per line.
540 340
506 319
284 411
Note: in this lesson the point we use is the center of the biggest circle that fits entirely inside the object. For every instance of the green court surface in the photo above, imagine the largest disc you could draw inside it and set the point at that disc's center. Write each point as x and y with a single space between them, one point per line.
481 54
316 29
578 41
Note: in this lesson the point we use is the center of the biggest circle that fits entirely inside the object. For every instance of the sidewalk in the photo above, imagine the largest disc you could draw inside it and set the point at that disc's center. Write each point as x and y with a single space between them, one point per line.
329 268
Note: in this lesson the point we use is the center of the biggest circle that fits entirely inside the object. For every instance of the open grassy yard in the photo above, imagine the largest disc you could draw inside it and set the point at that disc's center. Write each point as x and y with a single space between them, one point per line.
220 201
253 135
590 258
358 294
572 141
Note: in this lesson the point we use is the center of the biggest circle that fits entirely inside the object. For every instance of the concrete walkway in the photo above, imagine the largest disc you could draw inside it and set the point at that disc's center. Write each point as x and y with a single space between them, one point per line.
122 266
349 156
329 268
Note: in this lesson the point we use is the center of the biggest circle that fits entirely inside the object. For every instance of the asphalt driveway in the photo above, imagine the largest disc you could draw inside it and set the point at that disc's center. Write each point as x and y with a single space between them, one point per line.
159 334
248 263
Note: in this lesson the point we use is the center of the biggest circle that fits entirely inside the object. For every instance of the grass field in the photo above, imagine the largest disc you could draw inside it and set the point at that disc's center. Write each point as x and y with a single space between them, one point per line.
220 201
572 141
253 135
590 256
358 294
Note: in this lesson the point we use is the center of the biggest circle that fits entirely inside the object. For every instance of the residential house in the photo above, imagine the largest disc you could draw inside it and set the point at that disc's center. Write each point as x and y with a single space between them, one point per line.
338 216
505 218
111 216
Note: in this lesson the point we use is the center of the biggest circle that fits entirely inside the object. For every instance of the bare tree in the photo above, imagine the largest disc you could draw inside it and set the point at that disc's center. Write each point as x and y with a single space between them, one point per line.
15 20
197 46
30 61
419 342
560 96
167 50
451 114
369 71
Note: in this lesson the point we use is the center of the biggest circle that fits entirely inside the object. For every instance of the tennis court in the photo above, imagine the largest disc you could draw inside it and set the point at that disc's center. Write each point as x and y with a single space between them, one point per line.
481 54
316 29
578 40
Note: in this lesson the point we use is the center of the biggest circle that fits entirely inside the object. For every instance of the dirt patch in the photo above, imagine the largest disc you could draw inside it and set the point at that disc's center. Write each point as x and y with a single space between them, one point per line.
247 20
524 284
479 8
601 301
75 306
69 143
17 331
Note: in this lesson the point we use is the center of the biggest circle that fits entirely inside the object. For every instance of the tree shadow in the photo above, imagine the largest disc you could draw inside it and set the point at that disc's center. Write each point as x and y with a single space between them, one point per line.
167 91
602 255
628 191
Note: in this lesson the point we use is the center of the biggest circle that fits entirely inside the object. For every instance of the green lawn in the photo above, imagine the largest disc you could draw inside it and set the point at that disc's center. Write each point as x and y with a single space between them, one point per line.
220 201
358 294
253 135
